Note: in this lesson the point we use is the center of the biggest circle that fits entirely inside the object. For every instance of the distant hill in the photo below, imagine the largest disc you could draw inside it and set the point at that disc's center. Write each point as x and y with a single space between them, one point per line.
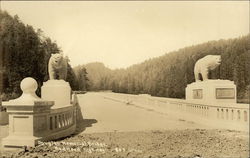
168 75
98 76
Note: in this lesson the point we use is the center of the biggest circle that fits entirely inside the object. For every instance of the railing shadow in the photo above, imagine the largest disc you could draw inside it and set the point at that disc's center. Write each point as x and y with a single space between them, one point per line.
81 126
81 123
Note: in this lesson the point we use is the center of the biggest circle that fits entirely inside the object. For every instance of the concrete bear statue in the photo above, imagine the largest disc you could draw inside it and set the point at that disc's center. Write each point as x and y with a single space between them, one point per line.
57 67
203 65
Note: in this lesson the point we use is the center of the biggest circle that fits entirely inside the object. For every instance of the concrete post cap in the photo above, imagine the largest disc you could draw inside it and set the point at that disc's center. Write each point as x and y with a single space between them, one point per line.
28 85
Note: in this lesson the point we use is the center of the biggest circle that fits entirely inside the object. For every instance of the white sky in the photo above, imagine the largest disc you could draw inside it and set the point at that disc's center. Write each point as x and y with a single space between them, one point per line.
122 33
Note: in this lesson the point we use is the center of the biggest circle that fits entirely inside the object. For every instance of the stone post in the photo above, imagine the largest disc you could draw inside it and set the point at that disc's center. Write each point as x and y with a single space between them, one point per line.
28 120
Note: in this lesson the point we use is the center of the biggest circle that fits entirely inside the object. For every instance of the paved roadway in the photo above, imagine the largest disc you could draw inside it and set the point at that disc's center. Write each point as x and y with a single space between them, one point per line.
113 116
106 115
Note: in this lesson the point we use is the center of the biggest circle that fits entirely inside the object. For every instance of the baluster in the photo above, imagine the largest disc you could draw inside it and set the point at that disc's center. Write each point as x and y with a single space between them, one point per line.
51 123
68 118
227 114
63 120
238 118
60 121
218 113
55 121
222 114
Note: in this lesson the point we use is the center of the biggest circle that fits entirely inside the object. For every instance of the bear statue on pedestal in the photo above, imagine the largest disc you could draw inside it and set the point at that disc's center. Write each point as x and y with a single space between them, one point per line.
56 88
210 91
57 67
202 66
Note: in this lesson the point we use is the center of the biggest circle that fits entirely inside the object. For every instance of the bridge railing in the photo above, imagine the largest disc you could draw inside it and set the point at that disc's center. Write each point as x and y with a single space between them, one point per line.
232 116
228 112
39 121
61 118
56 123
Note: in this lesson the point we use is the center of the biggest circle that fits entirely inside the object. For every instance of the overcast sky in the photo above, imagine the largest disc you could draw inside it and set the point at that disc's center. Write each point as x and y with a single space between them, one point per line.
122 33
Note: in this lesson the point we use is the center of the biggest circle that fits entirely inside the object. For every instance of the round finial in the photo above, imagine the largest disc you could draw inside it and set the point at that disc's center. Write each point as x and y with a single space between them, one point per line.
28 85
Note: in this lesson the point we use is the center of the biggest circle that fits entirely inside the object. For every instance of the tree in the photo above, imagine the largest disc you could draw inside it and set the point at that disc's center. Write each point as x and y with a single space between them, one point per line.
82 79
25 53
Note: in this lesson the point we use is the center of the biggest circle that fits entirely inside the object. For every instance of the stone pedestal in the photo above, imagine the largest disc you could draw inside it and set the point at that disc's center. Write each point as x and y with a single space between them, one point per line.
58 91
32 119
27 123
25 115
212 91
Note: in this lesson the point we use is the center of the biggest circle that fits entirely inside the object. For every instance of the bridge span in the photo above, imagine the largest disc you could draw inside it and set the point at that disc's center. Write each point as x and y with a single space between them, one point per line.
125 112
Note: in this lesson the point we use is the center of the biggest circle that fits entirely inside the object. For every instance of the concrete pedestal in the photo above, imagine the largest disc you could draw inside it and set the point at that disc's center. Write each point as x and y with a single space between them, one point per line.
25 116
32 119
58 91
212 91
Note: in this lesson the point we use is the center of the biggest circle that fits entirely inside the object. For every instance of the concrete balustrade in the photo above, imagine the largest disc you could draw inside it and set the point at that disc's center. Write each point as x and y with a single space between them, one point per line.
233 112
42 123
229 115
62 122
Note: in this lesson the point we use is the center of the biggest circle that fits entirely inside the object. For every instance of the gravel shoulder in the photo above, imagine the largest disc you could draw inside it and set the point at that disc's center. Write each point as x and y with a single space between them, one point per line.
145 144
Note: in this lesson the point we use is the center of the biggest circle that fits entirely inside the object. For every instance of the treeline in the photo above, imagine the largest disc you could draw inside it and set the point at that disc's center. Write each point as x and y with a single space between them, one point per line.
168 75
99 76
25 52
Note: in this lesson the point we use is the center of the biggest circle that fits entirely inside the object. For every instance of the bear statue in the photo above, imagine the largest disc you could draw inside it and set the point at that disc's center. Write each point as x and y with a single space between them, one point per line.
203 65
57 67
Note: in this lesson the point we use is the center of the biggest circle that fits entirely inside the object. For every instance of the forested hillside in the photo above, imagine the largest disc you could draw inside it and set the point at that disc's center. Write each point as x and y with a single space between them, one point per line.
25 52
168 75
98 76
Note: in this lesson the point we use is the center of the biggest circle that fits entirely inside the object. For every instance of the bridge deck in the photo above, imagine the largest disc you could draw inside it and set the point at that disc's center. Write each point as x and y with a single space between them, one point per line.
108 112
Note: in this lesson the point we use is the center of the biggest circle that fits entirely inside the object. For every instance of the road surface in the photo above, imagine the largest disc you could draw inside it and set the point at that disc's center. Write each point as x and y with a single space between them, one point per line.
109 115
